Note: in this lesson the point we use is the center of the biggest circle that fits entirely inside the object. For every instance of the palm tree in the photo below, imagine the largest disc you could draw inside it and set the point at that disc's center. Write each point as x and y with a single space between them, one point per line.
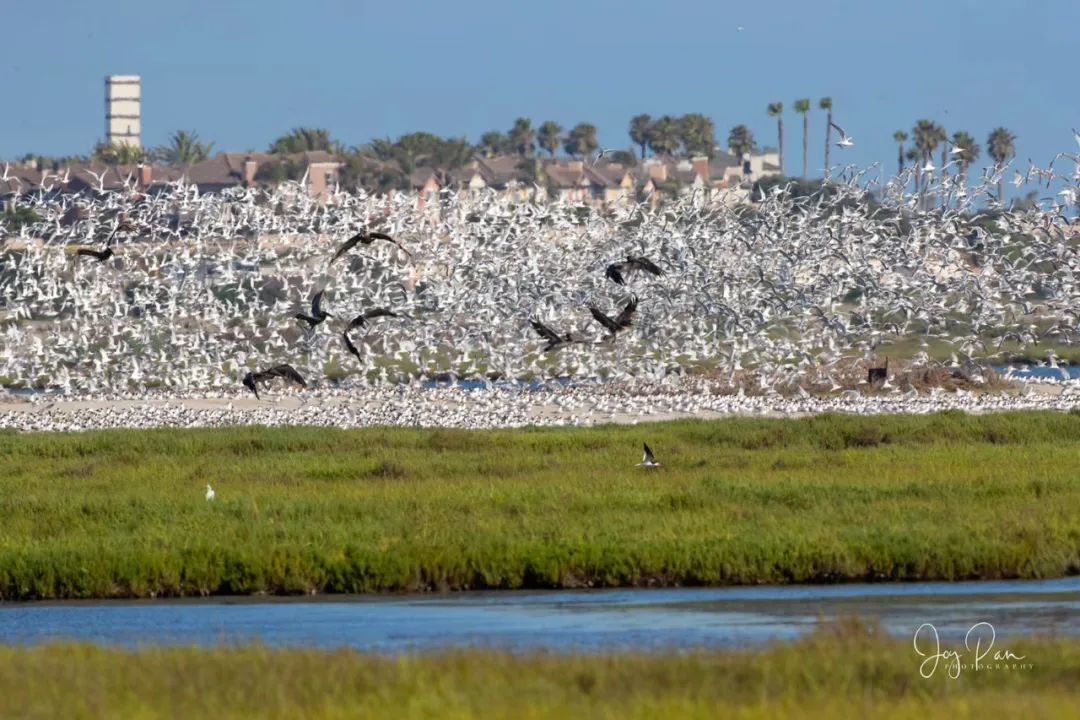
697 134
303 139
969 151
741 141
549 136
803 108
826 104
900 137
522 137
118 154
776 110
640 128
928 135
1001 147
493 143
184 148
664 136
581 141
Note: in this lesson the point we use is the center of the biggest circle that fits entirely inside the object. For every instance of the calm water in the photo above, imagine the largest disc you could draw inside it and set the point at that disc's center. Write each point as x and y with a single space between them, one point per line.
560 620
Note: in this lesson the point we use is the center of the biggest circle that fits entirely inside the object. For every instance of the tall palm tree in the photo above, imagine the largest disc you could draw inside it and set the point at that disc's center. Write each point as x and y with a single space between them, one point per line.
640 127
968 152
664 136
927 136
741 141
550 136
802 107
826 104
582 140
522 137
184 148
1001 147
900 137
776 110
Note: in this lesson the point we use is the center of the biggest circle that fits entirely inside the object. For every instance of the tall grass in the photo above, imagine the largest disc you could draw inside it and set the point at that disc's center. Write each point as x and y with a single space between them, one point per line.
948 496
842 671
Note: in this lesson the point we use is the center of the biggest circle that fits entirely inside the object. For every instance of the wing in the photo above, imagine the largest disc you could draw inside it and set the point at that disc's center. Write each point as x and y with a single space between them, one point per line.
358 321
378 313
839 129
613 273
628 313
349 345
316 304
648 266
378 236
544 331
604 320
288 372
347 246
648 457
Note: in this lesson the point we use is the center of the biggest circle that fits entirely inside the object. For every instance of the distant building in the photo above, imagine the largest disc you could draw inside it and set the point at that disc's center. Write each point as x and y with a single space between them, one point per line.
123 113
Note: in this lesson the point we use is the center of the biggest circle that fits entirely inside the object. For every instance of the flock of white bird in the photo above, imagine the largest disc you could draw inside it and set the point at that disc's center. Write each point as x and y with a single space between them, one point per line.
785 293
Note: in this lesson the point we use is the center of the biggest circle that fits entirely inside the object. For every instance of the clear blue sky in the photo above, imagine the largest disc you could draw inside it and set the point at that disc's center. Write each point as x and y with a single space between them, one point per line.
241 74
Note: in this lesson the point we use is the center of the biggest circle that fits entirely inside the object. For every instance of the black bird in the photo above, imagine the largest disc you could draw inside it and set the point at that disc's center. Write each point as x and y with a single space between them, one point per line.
618 271
878 373
101 255
252 379
621 322
365 238
554 340
317 313
349 345
361 319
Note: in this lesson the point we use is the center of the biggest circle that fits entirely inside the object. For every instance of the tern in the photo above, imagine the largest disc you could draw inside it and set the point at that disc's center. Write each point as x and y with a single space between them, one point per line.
648 460
845 140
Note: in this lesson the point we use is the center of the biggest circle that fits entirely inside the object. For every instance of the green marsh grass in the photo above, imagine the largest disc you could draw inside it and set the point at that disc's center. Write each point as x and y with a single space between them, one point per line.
301 510
845 670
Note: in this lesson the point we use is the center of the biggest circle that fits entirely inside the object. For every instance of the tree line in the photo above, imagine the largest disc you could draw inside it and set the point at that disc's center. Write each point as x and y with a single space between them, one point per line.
386 164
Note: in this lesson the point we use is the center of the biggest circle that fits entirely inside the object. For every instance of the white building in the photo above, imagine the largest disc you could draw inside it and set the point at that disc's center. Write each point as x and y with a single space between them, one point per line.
123 100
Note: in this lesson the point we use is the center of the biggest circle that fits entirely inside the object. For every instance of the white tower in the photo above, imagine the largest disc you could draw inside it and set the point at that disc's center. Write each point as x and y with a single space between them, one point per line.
123 123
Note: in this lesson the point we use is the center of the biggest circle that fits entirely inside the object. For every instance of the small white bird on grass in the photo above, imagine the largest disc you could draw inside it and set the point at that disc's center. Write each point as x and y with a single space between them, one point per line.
648 460
210 494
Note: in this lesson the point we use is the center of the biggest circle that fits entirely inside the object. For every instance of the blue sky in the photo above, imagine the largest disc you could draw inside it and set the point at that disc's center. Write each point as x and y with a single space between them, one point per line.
241 74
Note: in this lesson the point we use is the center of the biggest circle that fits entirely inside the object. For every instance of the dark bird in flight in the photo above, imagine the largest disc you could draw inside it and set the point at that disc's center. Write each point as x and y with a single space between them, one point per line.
101 255
621 322
365 238
317 313
349 345
648 460
361 319
252 379
555 341
618 271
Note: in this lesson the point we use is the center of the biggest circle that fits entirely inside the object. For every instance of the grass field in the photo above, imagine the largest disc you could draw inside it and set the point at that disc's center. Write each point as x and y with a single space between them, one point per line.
949 496
847 670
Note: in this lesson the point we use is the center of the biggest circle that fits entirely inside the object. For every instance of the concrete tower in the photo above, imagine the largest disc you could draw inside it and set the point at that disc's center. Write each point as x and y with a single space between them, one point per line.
123 101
